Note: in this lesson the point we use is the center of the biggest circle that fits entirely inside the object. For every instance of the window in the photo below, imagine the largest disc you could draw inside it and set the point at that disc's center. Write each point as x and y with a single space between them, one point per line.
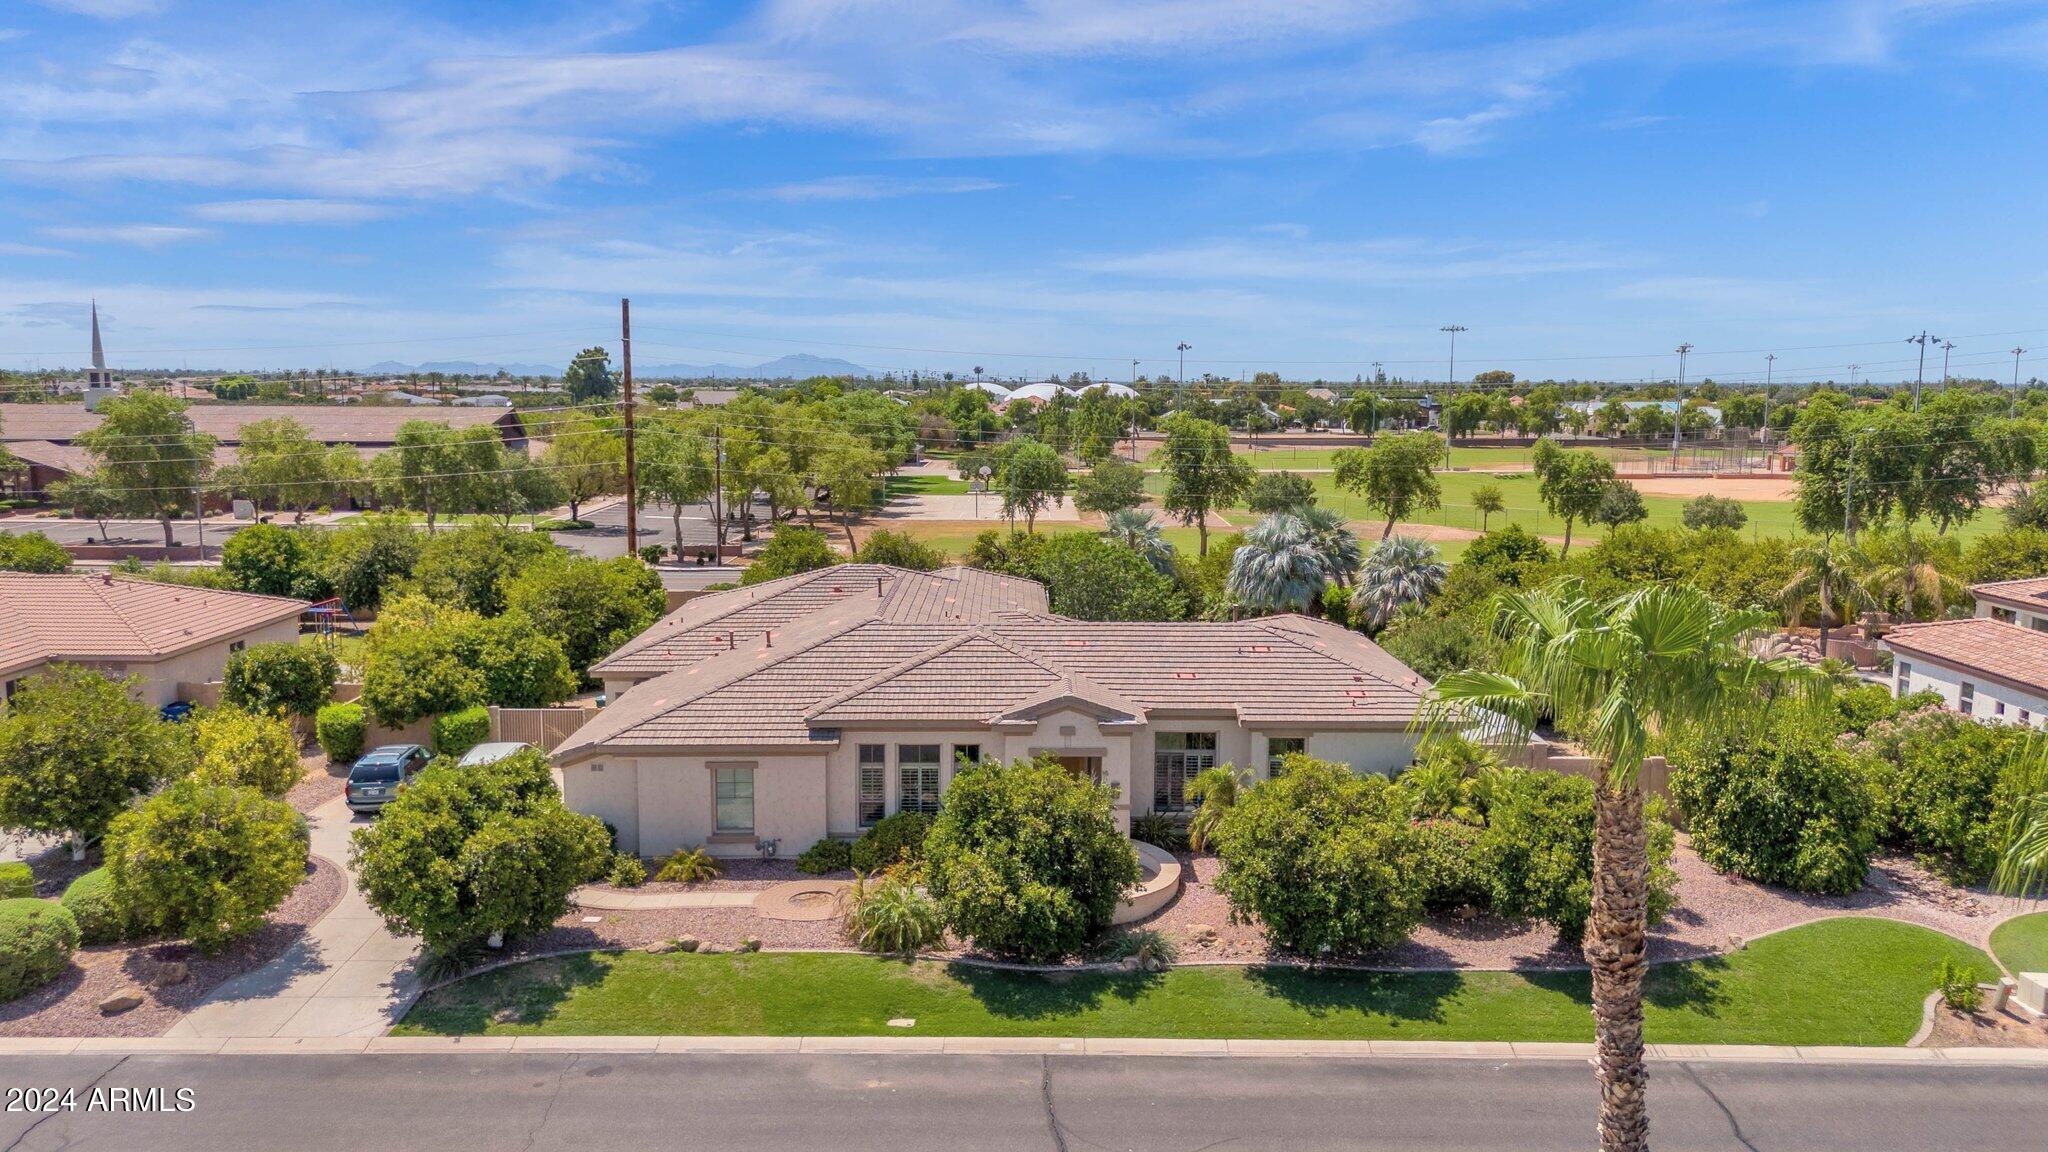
1178 757
917 772
237 645
968 754
2002 615
1905 683
733 790
1966 699
1280 747
2040 624
874 771
1998 707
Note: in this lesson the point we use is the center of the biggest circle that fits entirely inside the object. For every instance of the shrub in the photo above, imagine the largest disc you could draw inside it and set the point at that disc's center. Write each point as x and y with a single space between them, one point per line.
650 553
589 606
1026 859
1537 850
280 677
897 839
33 552
827 855
1324 858
17 880
1783 806
1708 511
101 919
454 733
206 861
688 866
467 567
900 549
460 856
1161 831
76 748
1945 785
340 728
273 560
626 872
37 938
237 747
887 913
1957 984
1447 866
792 549
1148 948
1434 646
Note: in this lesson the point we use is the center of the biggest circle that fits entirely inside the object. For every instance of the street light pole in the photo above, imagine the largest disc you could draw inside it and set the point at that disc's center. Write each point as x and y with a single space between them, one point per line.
1450 381
1182 348
1678 405
1920 373
1770 362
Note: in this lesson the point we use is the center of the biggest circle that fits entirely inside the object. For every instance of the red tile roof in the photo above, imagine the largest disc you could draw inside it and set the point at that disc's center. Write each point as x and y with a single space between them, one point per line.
99 619
2030 593
1978 644
328 423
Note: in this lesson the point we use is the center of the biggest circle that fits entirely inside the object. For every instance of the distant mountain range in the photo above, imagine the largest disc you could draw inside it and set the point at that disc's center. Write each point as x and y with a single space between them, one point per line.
794 367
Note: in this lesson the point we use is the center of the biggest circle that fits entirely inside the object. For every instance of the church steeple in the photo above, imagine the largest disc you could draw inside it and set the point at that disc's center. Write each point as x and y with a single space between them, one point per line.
98 376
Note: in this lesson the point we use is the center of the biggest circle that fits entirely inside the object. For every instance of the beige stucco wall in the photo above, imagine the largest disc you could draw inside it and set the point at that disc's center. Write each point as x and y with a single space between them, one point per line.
660 804
1925 676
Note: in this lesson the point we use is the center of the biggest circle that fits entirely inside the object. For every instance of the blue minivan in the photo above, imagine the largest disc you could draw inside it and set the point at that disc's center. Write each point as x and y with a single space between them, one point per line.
374 779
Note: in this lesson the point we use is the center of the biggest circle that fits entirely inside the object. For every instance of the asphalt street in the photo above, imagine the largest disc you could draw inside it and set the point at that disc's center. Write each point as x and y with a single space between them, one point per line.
902 1103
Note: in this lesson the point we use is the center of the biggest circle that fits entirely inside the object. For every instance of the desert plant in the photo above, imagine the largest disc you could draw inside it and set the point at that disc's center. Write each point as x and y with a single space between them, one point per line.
888 913
340 728
688 866
827 855
626 871
453 733
37 938
101 919
1147 948
897 839
1161 831
1957 984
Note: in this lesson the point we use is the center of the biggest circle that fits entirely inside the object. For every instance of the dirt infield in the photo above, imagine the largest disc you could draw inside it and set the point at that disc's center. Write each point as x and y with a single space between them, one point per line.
1747 488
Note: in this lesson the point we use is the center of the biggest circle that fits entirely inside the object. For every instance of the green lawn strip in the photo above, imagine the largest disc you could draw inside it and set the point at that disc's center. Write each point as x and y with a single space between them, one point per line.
927 485
2021 943
1844 981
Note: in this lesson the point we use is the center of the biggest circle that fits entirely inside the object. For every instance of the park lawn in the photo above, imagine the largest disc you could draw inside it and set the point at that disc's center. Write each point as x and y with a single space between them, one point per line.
1843 981
2021 943
926 485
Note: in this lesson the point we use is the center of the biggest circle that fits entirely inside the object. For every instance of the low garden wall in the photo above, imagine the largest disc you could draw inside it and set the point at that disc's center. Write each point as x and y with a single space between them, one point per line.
543 727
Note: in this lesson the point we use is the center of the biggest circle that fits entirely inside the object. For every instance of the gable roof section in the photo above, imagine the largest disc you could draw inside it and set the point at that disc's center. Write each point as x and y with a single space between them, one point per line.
91 618
2031 593
700 628
1980 645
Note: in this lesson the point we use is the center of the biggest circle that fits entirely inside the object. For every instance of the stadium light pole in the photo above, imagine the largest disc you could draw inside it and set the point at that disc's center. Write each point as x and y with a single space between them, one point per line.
1678 405
1852 374
1920 373
1182 348
2017 352
1770 362
1450 381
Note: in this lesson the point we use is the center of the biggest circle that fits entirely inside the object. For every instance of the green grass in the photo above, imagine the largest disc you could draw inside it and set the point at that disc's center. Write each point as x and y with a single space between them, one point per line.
1844 981
2021 943
926 485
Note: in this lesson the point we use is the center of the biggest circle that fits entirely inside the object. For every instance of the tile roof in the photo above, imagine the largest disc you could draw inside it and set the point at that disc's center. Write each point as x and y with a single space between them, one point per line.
2031 592
854 665
97 618
328 423
709 625
1978 644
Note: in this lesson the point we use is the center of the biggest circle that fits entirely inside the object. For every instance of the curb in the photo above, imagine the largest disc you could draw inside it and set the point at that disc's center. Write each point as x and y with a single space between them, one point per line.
1005 1046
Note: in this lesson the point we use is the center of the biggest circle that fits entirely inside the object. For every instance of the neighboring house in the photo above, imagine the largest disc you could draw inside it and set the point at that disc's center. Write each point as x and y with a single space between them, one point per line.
1993 666
167 634
820 703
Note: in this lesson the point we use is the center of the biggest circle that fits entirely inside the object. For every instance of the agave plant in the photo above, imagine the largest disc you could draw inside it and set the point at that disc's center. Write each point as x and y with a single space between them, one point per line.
1136 529
1278 567
1400 570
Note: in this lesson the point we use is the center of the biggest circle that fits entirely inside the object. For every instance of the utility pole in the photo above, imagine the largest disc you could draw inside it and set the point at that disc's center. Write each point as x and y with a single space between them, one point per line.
2017 352
1920 373
1183 350
1678 405
1450 380
626 395
718 485
1946 345
1770 362
1852 374
1849 488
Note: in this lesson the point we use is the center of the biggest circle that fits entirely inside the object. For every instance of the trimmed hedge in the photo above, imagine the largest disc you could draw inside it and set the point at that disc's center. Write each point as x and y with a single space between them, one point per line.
827 855
341 728
894 839
1785 806
90 900
454 733
37 938
16 880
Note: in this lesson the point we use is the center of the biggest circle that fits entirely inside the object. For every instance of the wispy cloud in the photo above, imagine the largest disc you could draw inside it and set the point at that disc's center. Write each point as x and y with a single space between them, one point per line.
139 235
10 248
285 211
107 9
877 187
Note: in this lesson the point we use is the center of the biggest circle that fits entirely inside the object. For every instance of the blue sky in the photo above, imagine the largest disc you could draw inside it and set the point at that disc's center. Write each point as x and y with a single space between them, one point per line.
1060 185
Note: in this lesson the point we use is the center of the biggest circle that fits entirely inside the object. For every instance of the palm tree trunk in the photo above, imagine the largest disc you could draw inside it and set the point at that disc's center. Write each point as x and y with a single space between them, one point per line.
1614 944
1826 613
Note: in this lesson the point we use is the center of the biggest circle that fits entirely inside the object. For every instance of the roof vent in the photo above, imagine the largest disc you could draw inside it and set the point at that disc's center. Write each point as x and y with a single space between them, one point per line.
1259 648
1185 676
1357 693
1077 643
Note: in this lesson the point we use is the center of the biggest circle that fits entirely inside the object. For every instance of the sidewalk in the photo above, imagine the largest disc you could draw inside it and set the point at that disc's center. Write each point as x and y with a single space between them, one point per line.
349 977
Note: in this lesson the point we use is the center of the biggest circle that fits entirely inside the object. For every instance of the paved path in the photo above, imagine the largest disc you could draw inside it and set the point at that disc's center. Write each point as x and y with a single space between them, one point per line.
349 976
604 897
589 1101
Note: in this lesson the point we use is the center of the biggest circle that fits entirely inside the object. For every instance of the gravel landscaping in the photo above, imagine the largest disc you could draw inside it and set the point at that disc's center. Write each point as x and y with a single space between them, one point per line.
69 1006
322 782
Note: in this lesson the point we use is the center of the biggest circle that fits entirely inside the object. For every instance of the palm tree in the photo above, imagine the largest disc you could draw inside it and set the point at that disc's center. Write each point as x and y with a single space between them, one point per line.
1829 572
1215 789
1334 541
1138 530
1613 673
1401 570
1277 568
2023 864
1905 570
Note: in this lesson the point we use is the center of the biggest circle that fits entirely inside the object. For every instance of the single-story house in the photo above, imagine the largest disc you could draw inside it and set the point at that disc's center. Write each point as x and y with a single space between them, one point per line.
166 634
820 703
1993 665
361 425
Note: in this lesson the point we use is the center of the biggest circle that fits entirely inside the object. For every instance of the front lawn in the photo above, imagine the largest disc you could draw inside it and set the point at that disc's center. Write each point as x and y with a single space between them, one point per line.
1841 981
2021 943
